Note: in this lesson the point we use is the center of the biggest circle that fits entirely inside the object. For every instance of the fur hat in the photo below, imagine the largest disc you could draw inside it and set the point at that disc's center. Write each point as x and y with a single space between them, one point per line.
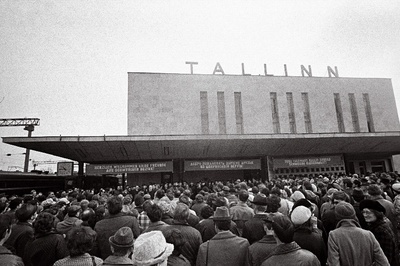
221 214
374 190
122 238
151 248
260 199
344 210
372 205
300 215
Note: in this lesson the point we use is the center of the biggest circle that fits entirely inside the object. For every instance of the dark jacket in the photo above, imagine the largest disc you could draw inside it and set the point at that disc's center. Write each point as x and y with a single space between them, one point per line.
207 229
311 240
45 249
291 254
387 240
224 248
260 250
192 239
108 226
253 229
21 234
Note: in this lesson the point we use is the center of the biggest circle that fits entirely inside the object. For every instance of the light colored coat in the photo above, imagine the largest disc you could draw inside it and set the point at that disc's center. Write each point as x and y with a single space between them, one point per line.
349 245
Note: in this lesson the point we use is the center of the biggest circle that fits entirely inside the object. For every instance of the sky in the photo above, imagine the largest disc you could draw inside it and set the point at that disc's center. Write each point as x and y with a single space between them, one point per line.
66 61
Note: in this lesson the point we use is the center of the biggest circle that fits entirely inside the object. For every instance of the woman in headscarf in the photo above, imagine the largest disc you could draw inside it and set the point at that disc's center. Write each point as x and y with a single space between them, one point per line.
381 227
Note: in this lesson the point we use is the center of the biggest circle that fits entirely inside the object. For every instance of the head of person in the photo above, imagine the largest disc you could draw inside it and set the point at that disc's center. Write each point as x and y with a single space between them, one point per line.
89 217
5 228
374 190
184 199
114 205
260 203
139 200
339 196
273 203
44 223
15 203
372 210
121 242
84 204
344 210
243 195
396 188
300 215
199 198
181 212
222 219
283 228
358 194
80 240
174 237
159 194
297 195
219 201
155 213
268 219
151 249
206 212
27 212
74 210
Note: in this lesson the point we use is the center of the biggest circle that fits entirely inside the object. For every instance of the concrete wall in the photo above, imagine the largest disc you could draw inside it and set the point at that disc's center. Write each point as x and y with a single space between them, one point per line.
162 104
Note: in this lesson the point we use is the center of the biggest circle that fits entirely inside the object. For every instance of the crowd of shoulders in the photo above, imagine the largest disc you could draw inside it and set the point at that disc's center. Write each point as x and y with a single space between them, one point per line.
321 220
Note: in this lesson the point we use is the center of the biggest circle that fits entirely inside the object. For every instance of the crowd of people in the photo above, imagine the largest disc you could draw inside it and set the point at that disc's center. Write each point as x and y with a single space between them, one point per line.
324 220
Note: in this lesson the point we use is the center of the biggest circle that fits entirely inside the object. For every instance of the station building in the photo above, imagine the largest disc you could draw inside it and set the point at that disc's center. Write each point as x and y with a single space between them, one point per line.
193 127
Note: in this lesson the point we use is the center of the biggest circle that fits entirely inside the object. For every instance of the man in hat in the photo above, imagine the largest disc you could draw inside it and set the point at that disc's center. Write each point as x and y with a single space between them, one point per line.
260 250
121 244
207 227
350 245
225 248
288 252
253 229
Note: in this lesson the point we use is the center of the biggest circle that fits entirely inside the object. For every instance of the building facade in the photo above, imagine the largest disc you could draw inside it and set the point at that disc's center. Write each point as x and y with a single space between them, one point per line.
219 105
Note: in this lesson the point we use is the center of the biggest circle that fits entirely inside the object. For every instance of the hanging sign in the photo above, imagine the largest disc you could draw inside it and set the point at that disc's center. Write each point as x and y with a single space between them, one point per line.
222 165
145 167
308 161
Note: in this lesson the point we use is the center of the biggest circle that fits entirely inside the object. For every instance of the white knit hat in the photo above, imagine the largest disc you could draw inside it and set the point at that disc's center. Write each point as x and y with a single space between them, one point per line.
297 195
300 215
151 248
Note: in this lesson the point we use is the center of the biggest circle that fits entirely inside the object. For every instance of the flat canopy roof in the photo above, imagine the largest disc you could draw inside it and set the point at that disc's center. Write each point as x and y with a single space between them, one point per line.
112 149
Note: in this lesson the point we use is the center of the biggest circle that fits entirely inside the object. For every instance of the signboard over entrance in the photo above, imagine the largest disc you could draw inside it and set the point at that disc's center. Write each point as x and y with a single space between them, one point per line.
308 161
222 165
145 167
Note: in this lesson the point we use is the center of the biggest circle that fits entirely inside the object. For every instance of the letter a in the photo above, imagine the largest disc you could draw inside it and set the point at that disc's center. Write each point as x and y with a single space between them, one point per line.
218 68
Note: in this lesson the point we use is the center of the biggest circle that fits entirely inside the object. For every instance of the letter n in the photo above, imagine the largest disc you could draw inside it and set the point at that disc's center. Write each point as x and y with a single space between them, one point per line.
334 73
304 70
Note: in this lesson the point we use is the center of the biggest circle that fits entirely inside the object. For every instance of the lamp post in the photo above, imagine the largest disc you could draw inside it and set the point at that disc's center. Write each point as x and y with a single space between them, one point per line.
29 128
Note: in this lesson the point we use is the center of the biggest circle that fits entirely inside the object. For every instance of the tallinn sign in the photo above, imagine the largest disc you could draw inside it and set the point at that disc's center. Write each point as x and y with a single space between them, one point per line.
304 71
